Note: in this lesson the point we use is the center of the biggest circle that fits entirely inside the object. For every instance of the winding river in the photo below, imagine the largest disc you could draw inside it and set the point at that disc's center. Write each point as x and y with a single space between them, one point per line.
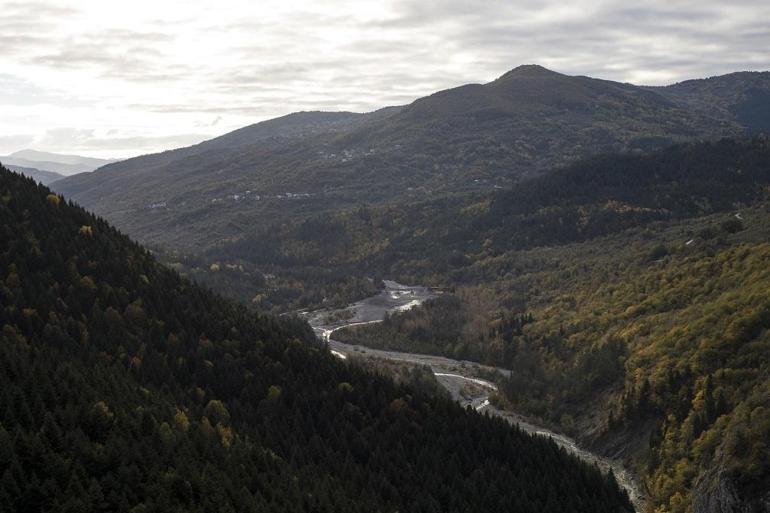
459 377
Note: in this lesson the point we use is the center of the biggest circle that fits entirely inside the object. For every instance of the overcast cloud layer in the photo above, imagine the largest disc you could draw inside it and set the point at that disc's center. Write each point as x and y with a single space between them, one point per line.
115 79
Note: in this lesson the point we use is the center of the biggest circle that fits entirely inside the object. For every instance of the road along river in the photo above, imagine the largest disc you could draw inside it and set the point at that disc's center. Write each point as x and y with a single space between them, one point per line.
459 377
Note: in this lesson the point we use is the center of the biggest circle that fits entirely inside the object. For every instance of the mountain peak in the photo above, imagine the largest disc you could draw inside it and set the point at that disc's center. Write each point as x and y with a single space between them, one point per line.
528 70
36 155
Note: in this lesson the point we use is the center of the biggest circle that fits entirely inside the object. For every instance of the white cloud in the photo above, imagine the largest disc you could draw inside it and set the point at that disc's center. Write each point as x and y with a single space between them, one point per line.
132 77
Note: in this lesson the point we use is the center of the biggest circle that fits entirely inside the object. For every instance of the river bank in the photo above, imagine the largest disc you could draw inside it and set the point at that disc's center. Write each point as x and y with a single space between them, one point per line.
459 377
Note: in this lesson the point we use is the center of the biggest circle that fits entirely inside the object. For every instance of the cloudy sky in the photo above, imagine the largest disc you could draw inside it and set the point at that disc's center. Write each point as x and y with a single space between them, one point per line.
115 78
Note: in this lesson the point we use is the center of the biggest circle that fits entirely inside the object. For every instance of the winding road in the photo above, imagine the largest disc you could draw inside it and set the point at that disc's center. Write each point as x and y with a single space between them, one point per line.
459 377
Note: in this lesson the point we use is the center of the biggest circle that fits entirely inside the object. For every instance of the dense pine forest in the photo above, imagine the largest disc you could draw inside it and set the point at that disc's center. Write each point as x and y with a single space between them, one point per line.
127 388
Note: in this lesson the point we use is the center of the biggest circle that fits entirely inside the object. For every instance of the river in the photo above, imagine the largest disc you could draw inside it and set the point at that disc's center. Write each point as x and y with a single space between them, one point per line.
459 377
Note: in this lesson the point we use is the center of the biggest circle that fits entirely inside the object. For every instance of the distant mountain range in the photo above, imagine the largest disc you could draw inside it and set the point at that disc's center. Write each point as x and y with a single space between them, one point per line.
53 162
470 138
44 177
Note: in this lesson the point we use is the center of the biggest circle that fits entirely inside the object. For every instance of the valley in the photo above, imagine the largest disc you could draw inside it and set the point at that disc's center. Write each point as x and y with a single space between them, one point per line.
385 257
461 378
143 391
593 258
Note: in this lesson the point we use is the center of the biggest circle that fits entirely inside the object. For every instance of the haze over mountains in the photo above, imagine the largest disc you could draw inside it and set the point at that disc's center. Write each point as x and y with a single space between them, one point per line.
44 177
54 162
474 137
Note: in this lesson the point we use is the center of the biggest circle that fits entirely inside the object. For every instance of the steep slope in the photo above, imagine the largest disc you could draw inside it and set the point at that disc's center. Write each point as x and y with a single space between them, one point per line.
293 126
44 177
188 186
126 388
475 137
532 118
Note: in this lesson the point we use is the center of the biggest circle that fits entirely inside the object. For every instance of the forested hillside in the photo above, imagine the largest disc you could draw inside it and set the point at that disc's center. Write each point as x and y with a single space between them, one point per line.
743 97
474 138
633 312
462 239
663 361
126 388
44 177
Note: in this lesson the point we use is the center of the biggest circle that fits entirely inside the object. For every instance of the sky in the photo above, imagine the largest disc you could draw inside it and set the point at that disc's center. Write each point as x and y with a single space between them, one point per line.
116 78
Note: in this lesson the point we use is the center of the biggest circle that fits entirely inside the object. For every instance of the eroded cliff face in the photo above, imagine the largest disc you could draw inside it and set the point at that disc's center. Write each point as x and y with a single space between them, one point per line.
718 493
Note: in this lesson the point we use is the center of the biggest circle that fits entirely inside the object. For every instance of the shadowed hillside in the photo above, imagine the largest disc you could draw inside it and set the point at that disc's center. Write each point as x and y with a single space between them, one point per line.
126 388
471 138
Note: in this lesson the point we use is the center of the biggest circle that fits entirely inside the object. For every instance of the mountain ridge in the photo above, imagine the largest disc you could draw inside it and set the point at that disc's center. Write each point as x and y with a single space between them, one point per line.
44 177
475 137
